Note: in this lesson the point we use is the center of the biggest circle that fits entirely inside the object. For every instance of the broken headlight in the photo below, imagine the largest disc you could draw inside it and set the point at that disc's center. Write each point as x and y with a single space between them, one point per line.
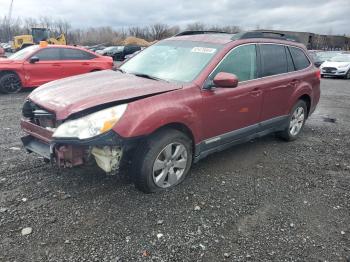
91 125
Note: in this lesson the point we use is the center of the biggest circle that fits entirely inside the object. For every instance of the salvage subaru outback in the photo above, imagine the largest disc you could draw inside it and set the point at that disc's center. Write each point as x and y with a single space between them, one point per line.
174 103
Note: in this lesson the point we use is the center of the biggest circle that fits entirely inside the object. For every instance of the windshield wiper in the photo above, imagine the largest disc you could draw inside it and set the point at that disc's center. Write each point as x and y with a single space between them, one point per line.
120 70
149 77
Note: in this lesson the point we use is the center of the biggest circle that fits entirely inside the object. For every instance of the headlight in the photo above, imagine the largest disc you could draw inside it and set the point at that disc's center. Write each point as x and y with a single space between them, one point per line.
343 66
91 125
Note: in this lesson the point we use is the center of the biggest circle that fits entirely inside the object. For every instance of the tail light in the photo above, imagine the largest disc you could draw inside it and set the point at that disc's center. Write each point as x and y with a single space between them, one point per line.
318 74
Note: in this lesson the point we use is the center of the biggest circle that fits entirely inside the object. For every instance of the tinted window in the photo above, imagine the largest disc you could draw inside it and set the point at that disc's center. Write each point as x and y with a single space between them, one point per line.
241 62
299 58
274 60
289 60
48 54
75 54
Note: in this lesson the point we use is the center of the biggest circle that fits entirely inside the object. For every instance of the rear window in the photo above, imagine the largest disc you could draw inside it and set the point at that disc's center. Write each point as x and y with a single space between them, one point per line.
274 60
299 58
76 54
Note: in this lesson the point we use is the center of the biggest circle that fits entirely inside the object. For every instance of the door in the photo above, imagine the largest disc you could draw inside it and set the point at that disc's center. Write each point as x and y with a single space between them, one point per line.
232 113
76 61
47 69
276 84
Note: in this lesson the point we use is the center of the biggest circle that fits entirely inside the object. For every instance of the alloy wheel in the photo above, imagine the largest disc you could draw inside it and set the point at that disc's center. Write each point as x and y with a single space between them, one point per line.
11 84
297 121
170 165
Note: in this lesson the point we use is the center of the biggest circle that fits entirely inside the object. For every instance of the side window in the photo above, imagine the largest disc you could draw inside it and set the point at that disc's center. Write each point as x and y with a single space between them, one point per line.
48 54
289 60
241 62
75 54
274 60
299 58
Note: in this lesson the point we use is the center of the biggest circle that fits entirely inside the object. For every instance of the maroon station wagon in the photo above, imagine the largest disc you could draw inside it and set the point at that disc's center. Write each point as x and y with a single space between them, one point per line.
174 103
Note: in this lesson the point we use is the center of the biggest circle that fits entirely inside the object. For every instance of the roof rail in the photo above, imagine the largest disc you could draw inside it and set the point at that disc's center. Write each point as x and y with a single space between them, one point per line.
265 34
199 32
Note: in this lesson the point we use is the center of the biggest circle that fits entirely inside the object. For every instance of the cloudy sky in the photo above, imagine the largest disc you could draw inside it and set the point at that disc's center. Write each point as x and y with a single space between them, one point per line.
320 16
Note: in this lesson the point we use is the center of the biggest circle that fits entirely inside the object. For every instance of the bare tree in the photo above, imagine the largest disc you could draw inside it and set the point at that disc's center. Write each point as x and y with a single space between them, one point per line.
159 31
196 26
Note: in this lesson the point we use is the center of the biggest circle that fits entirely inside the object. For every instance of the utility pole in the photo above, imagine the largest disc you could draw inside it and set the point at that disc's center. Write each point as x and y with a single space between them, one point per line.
9 20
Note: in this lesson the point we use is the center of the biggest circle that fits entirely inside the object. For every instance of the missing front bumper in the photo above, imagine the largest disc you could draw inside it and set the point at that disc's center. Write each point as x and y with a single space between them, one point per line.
108 158
31 144
107 149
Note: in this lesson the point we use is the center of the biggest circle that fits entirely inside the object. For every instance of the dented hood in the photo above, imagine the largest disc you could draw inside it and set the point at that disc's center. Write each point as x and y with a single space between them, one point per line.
74 94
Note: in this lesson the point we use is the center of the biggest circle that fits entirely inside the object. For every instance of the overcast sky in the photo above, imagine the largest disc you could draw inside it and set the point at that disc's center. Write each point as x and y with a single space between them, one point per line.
320 16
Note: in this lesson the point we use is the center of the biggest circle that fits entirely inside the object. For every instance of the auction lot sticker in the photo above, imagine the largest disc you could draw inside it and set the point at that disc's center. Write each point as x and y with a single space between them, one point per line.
204 50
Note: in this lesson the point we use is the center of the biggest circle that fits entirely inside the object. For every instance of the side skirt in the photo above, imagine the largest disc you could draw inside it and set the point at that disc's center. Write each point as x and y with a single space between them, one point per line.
224 141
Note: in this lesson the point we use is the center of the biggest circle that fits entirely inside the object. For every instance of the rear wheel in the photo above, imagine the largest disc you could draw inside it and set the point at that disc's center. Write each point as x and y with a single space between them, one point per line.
10 83
296 122
163 161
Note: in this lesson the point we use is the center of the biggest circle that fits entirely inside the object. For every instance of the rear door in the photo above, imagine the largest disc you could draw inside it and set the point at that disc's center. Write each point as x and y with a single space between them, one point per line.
232 113
76 61
47 69
277 84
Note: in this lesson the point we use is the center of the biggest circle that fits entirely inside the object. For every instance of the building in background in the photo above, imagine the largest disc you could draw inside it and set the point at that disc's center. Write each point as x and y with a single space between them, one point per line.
318 42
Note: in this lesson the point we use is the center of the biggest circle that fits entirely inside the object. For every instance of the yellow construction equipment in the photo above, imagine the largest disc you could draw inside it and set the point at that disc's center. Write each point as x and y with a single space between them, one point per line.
38 34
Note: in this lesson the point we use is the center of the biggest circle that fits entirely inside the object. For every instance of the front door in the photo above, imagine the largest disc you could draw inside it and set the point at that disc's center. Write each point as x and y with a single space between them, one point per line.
232 113
47 69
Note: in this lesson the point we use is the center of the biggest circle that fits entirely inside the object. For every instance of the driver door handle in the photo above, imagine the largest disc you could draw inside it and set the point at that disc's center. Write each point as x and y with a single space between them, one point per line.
255 92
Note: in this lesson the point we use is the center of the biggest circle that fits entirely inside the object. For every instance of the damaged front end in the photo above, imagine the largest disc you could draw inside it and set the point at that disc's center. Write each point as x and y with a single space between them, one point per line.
106 149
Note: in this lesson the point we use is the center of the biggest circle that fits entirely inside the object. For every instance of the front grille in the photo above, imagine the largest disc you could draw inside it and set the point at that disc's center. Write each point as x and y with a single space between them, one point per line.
39 116
329 69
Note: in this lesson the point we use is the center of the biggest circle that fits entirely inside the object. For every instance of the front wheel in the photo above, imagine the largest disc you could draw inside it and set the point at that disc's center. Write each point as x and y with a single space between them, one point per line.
296 122
163 161
10 83
347 76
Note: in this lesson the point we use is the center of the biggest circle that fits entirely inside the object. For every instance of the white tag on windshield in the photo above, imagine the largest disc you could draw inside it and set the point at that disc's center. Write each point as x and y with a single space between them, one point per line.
204 50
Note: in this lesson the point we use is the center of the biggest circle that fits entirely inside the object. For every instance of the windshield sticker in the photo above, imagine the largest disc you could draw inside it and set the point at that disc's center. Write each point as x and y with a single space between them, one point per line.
204 50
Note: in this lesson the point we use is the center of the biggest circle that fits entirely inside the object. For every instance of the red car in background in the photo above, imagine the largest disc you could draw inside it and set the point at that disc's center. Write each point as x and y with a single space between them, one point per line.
36 65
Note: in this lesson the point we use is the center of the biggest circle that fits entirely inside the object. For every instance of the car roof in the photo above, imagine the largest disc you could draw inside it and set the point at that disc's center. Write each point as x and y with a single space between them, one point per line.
225 38
213 38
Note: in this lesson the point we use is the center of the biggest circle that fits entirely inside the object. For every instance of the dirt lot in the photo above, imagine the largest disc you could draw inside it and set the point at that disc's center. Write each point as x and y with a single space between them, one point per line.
266 200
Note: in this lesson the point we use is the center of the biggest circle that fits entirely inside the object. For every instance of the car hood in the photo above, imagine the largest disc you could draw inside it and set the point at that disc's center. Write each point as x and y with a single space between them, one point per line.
74 94
335 64
4 60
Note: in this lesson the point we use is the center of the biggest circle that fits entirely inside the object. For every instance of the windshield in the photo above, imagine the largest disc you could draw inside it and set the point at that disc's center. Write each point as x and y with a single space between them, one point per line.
340 58
22 54
109 48
179 61
323 56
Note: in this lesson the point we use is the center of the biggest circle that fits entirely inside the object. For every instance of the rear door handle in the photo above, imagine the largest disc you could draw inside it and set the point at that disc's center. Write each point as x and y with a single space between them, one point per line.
295 82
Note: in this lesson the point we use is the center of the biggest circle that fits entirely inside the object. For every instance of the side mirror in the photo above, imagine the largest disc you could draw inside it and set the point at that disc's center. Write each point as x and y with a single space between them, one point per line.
34 59
223 79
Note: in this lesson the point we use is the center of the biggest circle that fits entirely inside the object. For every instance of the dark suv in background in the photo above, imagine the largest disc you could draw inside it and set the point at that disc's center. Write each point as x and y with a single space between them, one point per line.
174 103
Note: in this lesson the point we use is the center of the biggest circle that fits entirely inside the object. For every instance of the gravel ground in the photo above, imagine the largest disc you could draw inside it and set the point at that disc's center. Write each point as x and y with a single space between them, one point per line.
266 200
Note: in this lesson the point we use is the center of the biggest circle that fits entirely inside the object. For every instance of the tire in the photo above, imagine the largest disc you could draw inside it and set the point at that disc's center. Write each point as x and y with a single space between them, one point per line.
295 123
347 76
10 83
162 161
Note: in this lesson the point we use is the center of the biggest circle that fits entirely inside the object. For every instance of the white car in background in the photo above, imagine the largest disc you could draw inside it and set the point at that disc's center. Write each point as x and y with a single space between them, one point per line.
338 65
